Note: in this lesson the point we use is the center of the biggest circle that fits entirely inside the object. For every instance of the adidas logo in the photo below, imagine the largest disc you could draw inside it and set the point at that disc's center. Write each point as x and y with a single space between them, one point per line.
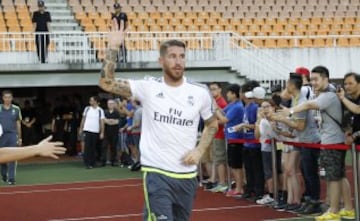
162 217
160 95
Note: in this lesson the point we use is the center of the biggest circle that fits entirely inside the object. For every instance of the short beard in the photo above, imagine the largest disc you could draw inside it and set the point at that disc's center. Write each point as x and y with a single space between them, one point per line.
171 76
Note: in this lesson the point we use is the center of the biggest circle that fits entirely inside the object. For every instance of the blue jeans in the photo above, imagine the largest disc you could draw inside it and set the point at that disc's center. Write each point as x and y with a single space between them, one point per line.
309 169
8 169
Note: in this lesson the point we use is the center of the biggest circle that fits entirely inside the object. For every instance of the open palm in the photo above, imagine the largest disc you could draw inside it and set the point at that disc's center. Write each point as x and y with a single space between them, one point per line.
116 39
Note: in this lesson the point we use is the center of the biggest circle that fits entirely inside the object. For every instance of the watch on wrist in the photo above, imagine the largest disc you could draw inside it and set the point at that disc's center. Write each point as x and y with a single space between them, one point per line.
291 112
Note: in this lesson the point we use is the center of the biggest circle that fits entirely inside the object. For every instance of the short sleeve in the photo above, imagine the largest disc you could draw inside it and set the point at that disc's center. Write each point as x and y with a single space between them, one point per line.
102 114
34 17
207 107
19 117
324 100
139 89
253 114
48 17
301 115
84 112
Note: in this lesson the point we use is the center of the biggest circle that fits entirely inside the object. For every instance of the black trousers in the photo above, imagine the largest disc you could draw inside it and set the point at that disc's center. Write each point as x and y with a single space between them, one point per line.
91 141
42 42
110 142
254 171
122 55
28 135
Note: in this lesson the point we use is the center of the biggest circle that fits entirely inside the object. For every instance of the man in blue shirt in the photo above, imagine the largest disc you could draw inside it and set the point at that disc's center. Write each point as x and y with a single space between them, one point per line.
252 151
10 119
234 113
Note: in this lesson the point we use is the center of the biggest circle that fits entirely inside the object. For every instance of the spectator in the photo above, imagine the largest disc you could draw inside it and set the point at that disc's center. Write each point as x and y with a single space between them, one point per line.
111 121
120 23
331 133
28 124
92 124
252 151
41 20
58 121
219 146
234 113
304 124
124 153
10 120
136 133
264 132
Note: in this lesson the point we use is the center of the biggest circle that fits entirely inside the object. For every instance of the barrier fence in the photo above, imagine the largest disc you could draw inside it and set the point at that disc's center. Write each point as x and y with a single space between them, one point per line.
355 151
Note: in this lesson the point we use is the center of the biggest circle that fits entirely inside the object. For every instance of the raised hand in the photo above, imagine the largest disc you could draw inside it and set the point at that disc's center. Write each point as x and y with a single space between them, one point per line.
115 39
50 149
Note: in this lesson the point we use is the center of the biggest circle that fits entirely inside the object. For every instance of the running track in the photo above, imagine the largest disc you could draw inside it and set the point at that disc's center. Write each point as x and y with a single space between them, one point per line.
113 200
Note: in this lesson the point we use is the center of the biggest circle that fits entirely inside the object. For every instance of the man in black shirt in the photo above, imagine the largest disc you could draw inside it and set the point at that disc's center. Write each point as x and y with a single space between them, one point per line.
120 23
41 20
111 133
28 124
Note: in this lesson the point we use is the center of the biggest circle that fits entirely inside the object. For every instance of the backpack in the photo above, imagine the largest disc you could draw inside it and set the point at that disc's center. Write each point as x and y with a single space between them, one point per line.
346 118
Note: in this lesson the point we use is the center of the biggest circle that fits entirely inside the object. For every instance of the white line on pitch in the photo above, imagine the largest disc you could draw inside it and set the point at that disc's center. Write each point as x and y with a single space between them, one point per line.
69 189
140 214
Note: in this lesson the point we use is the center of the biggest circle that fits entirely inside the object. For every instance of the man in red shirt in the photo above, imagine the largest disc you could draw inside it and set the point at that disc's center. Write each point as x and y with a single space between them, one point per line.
219 149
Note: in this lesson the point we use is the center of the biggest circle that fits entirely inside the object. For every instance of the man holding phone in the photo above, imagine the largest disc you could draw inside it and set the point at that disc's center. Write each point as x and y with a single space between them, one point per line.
233 115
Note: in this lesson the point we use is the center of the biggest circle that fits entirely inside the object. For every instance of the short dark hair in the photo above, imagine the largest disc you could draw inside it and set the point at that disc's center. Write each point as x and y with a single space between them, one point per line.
234 88
353 74
323 71
5 92
96 98
169 43
215 83
249 86
296 79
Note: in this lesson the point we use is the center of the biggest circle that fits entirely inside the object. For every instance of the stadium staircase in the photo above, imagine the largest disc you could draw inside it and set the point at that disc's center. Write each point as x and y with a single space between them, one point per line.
63 20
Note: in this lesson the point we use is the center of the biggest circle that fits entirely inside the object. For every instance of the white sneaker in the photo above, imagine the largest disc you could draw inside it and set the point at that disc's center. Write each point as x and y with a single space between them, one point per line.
265 200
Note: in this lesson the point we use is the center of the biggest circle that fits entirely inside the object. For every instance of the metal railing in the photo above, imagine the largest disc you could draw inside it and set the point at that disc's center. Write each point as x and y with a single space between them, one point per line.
226 48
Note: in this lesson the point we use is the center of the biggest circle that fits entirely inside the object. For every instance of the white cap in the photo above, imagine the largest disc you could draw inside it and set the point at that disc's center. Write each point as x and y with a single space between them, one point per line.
259 93
249 94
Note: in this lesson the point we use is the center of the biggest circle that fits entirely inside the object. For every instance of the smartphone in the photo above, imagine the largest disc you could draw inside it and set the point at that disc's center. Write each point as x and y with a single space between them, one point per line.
338 88
231 130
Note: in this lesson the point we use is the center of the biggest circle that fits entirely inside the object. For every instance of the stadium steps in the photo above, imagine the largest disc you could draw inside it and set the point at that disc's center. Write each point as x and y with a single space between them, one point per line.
63 19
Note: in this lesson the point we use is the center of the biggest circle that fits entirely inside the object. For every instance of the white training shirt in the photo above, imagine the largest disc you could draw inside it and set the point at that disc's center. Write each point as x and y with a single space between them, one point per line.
92 119
170 121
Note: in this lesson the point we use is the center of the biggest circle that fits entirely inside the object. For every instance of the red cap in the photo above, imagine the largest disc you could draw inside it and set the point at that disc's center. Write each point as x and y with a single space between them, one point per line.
302 71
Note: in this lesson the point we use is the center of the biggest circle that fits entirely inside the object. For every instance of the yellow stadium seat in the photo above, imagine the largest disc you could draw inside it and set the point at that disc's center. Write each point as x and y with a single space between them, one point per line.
206 44
203 14
278 28
270 43
343 42
247 21
187 21
199 21
179 15
270 21
211 21
283 43
80 15
155 15
230 27
155 28
168 28
355 41
192 15
223 21
306 43
5 45
167 15
90 28
218 28
205 28
193 28
93 15
319 42
19 46
143 15
316 20
258 43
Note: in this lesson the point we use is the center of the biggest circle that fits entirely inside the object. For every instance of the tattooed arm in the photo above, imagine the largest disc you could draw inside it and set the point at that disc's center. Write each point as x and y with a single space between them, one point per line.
210 129
107 78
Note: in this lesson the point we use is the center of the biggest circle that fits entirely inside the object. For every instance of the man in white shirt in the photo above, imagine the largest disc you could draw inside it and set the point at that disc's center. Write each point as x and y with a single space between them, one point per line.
172 107
92 124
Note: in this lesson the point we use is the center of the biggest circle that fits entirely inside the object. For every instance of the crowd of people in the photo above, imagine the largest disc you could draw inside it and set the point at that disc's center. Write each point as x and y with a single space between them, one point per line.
309 110
108 135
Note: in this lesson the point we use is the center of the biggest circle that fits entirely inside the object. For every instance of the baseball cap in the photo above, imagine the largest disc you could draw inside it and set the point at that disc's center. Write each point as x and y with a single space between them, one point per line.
117 5
41 3
249 94
259 93
302 71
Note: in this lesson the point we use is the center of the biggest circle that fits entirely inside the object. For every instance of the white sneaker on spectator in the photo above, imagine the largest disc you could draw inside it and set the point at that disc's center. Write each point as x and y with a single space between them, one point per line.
265 200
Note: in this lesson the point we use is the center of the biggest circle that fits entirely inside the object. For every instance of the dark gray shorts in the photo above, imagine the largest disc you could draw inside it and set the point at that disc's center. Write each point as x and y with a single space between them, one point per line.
168 198
267 163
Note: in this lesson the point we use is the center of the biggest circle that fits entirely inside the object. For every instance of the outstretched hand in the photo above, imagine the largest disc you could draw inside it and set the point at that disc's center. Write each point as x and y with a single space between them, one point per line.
50 149
115 39
341 94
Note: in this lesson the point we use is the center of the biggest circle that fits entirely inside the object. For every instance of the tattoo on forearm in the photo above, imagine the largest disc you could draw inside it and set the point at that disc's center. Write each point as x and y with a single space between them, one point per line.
108 68
207 137
121 87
